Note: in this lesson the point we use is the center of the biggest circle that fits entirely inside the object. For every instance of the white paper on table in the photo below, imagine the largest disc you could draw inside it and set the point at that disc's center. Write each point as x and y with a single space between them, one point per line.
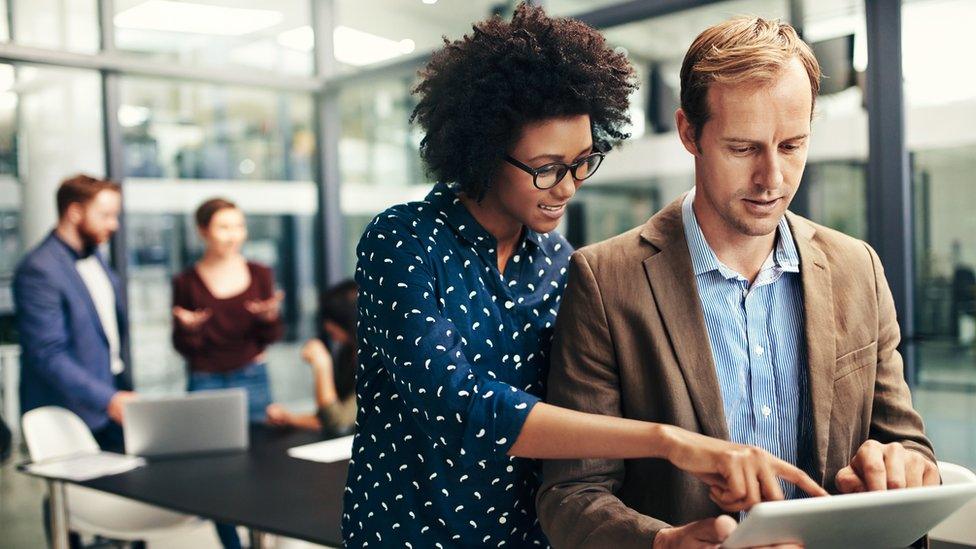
86 466
328 451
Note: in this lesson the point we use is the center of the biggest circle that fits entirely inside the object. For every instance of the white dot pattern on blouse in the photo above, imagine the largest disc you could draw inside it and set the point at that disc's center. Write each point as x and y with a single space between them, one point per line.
452 357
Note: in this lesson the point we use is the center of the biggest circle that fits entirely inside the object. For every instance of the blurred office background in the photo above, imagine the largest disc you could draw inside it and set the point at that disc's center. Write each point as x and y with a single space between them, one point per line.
297 110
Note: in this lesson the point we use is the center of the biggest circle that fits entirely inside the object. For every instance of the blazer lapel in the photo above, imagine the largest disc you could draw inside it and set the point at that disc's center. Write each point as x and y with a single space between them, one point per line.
79 287
818 306
672 280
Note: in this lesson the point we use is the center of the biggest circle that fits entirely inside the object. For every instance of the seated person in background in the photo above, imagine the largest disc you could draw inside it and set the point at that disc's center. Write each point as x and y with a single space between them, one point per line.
333 358
728 316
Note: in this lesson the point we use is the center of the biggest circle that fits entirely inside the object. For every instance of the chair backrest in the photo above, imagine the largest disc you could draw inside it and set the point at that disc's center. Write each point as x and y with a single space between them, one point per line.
53 432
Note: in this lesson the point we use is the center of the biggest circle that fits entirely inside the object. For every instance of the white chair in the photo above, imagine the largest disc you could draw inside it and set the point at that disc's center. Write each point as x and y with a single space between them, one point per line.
960 527
52 432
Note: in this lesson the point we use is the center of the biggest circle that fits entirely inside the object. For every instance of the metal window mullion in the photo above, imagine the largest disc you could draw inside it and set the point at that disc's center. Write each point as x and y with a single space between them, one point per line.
128 63
330 232
637 10
106 25
115 170
890 219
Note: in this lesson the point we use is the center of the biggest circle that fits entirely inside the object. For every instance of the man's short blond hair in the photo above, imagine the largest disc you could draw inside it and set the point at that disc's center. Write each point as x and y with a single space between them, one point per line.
742 49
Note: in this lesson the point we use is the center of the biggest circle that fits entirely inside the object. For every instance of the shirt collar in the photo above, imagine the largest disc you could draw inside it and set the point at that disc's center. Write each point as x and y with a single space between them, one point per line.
703 258
450 209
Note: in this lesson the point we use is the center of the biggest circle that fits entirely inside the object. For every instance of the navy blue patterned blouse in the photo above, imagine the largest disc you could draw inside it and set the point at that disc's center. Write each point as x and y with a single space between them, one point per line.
453 356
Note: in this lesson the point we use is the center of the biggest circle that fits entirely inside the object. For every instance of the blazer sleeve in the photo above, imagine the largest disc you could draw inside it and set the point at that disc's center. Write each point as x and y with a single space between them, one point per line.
893 419
266 333
577 504
187 342
46 342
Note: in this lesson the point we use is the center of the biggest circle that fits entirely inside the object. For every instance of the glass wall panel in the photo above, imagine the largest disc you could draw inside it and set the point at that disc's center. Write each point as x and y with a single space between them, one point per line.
4 23
652 168
366 33
183 143
836 195
570 8
379 162
50 129
70 25
653 161
10 201
941 99
271 35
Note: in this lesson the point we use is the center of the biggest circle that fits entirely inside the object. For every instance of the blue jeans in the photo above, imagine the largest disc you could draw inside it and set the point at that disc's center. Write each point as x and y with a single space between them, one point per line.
253 378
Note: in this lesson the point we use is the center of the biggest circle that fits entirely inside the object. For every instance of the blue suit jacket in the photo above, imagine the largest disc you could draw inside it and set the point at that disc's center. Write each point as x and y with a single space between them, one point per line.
64 357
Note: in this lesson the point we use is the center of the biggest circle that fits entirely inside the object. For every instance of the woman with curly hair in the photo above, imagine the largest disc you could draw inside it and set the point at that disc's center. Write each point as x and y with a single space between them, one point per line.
459 294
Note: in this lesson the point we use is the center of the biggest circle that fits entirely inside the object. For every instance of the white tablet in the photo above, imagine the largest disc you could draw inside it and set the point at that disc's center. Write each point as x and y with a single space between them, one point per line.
893 518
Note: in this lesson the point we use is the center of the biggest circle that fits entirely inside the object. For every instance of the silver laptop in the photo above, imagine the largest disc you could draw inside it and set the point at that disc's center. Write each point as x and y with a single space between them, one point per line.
202 421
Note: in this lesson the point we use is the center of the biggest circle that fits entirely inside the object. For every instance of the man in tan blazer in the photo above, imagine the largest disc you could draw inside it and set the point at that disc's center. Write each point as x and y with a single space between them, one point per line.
729 316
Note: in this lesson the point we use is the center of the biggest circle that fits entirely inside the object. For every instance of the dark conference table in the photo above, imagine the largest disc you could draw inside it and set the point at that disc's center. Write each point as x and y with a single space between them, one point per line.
263 489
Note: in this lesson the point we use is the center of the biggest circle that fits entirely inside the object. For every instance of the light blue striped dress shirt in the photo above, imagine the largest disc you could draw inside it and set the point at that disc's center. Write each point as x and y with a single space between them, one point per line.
756 335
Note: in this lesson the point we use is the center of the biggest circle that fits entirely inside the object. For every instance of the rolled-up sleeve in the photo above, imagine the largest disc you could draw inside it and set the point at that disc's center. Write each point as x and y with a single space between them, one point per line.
423 353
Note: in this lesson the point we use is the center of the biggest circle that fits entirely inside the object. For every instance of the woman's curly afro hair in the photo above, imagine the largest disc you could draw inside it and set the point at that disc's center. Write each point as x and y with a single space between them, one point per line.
477 93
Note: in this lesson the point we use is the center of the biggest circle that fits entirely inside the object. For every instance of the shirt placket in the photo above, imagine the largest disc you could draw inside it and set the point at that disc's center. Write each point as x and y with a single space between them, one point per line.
762 378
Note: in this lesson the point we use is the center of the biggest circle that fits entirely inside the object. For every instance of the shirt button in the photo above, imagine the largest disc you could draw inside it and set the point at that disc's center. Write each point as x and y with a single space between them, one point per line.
759 350
766 410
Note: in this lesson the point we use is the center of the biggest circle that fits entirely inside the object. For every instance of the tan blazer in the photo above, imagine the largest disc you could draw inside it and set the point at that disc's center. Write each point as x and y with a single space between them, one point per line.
631 341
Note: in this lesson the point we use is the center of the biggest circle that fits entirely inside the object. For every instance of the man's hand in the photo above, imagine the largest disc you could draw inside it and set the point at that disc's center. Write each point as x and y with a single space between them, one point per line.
710 532
116 405
705 533
266 309
739 476
191 320
878 466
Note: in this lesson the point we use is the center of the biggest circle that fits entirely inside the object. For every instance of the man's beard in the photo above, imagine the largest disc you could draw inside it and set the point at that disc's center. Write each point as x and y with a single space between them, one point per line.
89 239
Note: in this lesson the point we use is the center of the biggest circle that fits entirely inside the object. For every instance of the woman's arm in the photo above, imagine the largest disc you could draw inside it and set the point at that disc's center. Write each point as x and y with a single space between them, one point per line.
268 327
739 475
278 416
188 323
317 355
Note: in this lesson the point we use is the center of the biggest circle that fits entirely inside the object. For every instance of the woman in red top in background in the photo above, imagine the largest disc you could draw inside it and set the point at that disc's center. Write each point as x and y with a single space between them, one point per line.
226 311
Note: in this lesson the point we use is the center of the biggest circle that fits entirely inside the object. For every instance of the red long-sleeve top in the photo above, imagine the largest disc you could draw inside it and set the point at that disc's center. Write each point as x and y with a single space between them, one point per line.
232 337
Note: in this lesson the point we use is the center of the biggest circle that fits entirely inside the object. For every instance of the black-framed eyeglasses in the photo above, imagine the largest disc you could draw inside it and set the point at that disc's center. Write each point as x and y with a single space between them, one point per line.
549 175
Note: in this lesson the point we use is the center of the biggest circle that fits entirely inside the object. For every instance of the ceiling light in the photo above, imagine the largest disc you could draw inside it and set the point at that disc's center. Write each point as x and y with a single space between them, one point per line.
188 17
299 38
430 2
358 48
132 115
